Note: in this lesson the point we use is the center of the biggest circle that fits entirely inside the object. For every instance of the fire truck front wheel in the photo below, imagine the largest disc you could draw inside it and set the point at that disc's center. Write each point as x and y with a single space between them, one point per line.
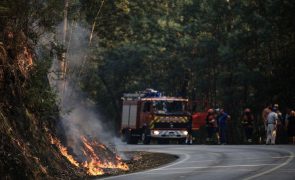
146 138
130 139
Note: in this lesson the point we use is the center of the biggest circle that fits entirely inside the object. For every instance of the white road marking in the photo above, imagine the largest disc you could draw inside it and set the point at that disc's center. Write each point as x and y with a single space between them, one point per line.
200 161
254 159
273 169
205 167
185 172
282 157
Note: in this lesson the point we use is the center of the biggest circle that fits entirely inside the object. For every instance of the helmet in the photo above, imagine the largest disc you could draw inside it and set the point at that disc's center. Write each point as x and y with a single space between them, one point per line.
210 111
247 110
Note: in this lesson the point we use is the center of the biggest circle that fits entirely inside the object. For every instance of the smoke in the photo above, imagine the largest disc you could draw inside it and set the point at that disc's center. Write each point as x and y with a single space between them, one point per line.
79 115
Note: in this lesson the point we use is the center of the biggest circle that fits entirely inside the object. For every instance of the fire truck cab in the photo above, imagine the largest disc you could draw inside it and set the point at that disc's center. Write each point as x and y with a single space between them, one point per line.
149 116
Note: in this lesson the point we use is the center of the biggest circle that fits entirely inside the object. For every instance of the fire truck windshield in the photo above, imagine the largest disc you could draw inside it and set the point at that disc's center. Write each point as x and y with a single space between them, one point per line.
169 107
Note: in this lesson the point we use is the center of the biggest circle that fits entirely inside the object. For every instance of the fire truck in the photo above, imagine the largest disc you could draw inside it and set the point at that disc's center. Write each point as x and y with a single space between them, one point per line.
148 116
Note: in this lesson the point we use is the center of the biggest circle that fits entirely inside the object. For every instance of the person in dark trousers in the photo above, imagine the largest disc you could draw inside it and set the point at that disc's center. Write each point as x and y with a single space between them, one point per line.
286 117
280 130
291 127
211 125
189 137
222 125
247 123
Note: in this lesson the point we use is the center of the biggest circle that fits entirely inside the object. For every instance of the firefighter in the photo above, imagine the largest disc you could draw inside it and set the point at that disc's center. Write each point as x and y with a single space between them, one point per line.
280 127
211 125
189 137
290 124
247 123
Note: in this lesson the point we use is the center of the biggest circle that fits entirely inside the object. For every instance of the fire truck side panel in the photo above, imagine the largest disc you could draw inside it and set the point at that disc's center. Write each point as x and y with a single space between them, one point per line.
129 114
139 107
125 116
133 115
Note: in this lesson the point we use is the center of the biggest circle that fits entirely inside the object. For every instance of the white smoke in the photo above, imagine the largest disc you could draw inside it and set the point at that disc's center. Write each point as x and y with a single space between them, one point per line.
80 116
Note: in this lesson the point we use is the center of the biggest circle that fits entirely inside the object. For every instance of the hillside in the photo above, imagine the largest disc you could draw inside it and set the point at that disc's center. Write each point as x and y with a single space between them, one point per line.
27 115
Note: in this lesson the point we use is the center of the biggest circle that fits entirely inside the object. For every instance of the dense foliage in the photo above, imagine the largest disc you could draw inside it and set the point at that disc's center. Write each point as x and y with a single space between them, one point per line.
233 54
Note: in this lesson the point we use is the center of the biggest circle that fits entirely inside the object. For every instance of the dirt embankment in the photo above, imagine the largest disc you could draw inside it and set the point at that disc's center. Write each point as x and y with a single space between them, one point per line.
27 114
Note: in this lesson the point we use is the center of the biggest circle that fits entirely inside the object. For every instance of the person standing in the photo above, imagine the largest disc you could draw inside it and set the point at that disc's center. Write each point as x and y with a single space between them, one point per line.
287 115
263 124
247 122
222 125
280 131
272 119
265 112
211 125
290 123
189 136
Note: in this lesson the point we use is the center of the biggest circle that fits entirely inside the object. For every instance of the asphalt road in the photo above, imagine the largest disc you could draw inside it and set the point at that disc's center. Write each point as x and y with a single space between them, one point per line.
226 162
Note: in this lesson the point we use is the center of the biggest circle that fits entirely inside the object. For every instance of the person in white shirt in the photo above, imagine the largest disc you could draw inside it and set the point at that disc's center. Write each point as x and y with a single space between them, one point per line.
272 119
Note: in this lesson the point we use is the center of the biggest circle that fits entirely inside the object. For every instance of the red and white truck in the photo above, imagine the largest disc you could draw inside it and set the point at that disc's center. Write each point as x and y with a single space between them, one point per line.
149 116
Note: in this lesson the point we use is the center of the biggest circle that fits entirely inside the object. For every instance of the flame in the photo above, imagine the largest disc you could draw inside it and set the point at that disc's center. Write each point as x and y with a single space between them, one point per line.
92 168
93 164
63 150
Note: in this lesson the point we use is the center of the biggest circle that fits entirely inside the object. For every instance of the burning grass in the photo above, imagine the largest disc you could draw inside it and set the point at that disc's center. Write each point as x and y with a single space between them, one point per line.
95 157
63 150
139 161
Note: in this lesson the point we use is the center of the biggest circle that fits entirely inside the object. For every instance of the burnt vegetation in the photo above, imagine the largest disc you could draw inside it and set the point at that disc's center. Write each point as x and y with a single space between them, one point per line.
28 106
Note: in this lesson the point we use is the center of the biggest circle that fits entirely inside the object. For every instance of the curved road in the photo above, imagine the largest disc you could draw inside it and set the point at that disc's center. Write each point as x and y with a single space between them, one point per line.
219 162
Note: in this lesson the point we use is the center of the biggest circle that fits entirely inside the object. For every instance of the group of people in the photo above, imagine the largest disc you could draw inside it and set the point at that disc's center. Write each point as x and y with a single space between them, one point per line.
278 126
275 126
216 124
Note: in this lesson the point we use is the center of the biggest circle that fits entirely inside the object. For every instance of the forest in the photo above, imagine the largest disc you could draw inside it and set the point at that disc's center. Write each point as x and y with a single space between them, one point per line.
231 54
224 53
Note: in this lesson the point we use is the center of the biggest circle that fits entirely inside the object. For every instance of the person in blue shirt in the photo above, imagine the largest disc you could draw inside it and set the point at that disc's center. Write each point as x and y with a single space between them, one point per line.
222 119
